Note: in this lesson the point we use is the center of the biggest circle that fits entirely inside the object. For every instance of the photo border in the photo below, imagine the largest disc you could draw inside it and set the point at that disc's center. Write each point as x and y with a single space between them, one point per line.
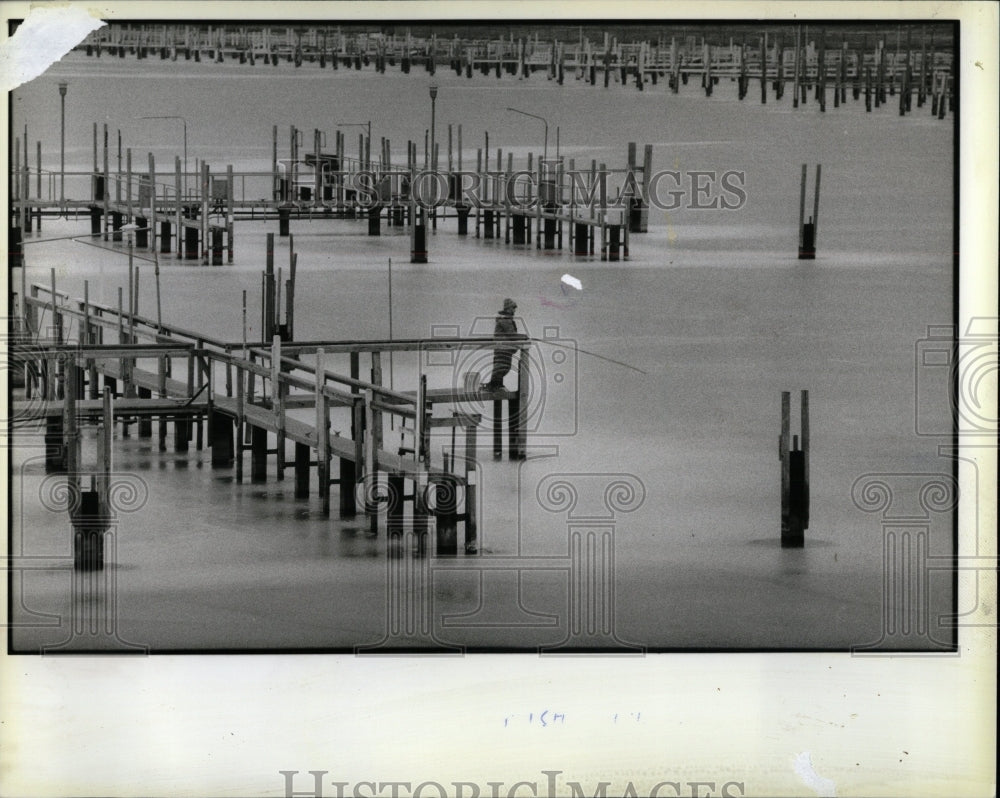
228 725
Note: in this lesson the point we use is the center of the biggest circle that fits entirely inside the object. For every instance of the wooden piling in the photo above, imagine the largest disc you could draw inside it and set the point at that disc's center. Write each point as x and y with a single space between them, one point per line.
446 514
497 428
804 429
258 454
182 434
879 72
519 413
351 470
220 434
91 517
471 508
70 442
794 474
418 235
302 453
779 83
763 69
922 85
269 291
421 429
815 217
783 442
145 423
808 230
370 474
706 60
842 70
821 71
797 67
106 197
277 405
394 510
88 338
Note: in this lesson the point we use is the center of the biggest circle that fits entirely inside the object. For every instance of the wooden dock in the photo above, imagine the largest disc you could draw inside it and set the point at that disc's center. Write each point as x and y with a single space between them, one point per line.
591 211
128 370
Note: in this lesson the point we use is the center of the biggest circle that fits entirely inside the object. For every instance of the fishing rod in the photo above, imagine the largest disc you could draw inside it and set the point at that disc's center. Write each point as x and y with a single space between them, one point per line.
80 240
585 352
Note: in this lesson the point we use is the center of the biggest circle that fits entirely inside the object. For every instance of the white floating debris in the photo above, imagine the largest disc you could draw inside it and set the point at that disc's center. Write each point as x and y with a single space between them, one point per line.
572 282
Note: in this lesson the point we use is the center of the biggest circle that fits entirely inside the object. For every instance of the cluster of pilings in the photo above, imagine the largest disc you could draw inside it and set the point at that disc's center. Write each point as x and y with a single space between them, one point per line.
794 457
154 213
808 230
921 65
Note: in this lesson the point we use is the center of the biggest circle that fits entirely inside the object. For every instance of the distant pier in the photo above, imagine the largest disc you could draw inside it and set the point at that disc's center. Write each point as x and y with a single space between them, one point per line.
905 57
590 209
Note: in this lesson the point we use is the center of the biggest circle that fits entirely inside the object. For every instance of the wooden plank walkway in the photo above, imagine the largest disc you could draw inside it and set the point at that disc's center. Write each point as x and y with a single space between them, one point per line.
124 407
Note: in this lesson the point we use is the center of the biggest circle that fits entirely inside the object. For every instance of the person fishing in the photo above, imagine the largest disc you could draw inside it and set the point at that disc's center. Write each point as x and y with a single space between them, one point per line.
503 354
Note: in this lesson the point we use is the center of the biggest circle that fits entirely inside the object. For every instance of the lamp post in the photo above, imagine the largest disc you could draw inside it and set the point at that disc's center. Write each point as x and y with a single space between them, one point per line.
545 151
434 94
62 144
184 122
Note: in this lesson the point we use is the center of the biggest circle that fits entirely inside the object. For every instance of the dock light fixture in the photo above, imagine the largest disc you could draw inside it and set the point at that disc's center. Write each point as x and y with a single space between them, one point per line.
62 144
367 125
434 94
545 151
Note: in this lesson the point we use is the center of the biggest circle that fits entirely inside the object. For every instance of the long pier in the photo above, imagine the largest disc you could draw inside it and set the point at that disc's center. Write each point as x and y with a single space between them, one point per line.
260 398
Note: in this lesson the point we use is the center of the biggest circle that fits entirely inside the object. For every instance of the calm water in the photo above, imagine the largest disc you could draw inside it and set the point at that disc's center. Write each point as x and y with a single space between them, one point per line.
713 306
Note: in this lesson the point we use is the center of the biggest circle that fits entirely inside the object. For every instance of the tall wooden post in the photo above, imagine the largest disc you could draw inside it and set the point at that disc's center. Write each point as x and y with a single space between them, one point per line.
105 199
371 461
802 209
323 441
71 436
240 420
808 230
350 470
471 488
804 429
151 218
763 69
277 405
794 474
258 454
269 291
798 66
783 442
